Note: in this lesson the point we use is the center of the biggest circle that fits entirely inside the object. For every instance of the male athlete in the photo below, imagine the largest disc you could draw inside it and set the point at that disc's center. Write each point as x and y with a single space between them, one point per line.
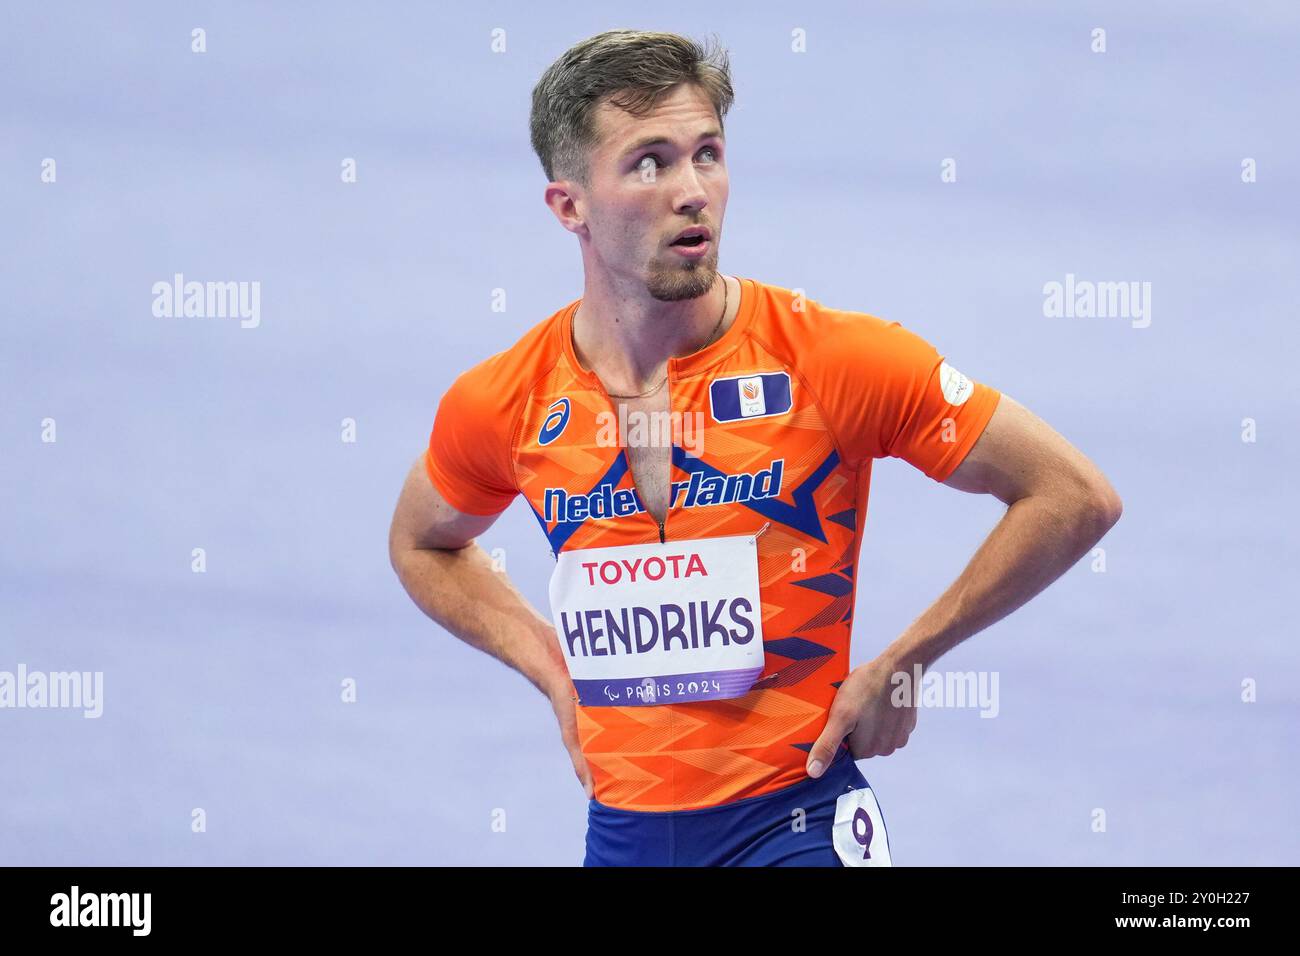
697 651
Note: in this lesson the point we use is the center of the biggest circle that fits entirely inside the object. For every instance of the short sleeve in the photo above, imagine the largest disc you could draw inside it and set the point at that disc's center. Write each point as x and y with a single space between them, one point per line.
890 393
468 458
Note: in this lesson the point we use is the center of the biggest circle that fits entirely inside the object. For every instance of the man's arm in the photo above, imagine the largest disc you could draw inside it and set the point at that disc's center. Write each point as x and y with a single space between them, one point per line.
1060 505
450 577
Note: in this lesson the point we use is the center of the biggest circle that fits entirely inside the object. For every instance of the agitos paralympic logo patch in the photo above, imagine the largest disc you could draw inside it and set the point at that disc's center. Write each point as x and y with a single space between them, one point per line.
741 397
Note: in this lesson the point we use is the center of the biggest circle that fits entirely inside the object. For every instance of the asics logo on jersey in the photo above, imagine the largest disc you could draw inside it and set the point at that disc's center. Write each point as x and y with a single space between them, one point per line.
555 422
698 491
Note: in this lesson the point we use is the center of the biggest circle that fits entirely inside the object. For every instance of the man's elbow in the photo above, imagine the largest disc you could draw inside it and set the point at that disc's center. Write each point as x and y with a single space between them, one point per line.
396 559
1104 507
399 550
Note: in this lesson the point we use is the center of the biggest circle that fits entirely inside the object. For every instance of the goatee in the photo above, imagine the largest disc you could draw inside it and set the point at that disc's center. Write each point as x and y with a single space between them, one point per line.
689 280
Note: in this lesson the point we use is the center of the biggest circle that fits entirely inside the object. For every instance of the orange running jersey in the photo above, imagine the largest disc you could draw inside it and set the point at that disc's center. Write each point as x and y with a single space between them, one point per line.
798 399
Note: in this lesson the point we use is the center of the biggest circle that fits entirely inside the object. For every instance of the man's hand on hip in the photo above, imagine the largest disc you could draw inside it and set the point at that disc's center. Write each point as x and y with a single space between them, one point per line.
864 712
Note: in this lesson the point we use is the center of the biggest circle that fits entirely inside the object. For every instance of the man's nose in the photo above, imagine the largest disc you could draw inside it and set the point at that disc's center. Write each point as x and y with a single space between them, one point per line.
691 194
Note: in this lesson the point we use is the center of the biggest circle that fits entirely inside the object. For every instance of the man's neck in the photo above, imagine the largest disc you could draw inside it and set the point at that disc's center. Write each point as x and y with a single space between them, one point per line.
627 339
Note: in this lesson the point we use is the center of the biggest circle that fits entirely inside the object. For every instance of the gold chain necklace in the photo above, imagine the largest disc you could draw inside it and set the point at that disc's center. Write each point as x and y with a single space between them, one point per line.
705 345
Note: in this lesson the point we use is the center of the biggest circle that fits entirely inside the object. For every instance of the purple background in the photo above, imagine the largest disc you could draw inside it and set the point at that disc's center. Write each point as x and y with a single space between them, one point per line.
1118 690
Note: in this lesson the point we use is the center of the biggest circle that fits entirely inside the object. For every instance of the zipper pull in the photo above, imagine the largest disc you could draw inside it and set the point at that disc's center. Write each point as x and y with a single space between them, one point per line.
661 532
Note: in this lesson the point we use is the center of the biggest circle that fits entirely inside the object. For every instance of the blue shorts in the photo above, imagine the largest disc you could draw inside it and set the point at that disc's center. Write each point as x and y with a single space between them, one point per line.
832 820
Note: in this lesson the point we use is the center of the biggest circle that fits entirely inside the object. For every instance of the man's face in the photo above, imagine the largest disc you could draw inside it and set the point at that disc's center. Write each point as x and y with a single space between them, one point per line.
652 177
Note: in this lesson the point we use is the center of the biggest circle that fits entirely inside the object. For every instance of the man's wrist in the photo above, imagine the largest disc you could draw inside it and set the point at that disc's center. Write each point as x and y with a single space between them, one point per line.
557 684
903 657
554 676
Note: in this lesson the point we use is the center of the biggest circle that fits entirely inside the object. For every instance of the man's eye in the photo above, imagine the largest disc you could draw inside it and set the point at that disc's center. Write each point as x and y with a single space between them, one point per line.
641 163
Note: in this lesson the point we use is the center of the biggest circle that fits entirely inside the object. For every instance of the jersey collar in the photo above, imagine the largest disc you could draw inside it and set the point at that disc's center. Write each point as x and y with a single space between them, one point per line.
682 365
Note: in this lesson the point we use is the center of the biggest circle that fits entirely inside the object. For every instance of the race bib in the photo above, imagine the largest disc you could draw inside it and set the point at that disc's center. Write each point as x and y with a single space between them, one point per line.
659 623
859 830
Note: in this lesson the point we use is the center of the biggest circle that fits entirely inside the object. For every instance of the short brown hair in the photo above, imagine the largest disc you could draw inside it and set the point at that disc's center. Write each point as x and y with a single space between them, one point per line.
634 69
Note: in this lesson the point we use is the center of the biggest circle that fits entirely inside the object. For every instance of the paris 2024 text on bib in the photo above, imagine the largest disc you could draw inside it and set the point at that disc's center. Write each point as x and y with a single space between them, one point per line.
670 623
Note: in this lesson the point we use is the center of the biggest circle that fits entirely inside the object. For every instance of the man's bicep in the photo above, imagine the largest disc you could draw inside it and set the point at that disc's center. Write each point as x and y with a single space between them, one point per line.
423 518
1019 454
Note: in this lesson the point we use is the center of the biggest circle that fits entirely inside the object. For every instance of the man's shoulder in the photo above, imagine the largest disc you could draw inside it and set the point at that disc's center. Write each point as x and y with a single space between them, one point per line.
806 331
